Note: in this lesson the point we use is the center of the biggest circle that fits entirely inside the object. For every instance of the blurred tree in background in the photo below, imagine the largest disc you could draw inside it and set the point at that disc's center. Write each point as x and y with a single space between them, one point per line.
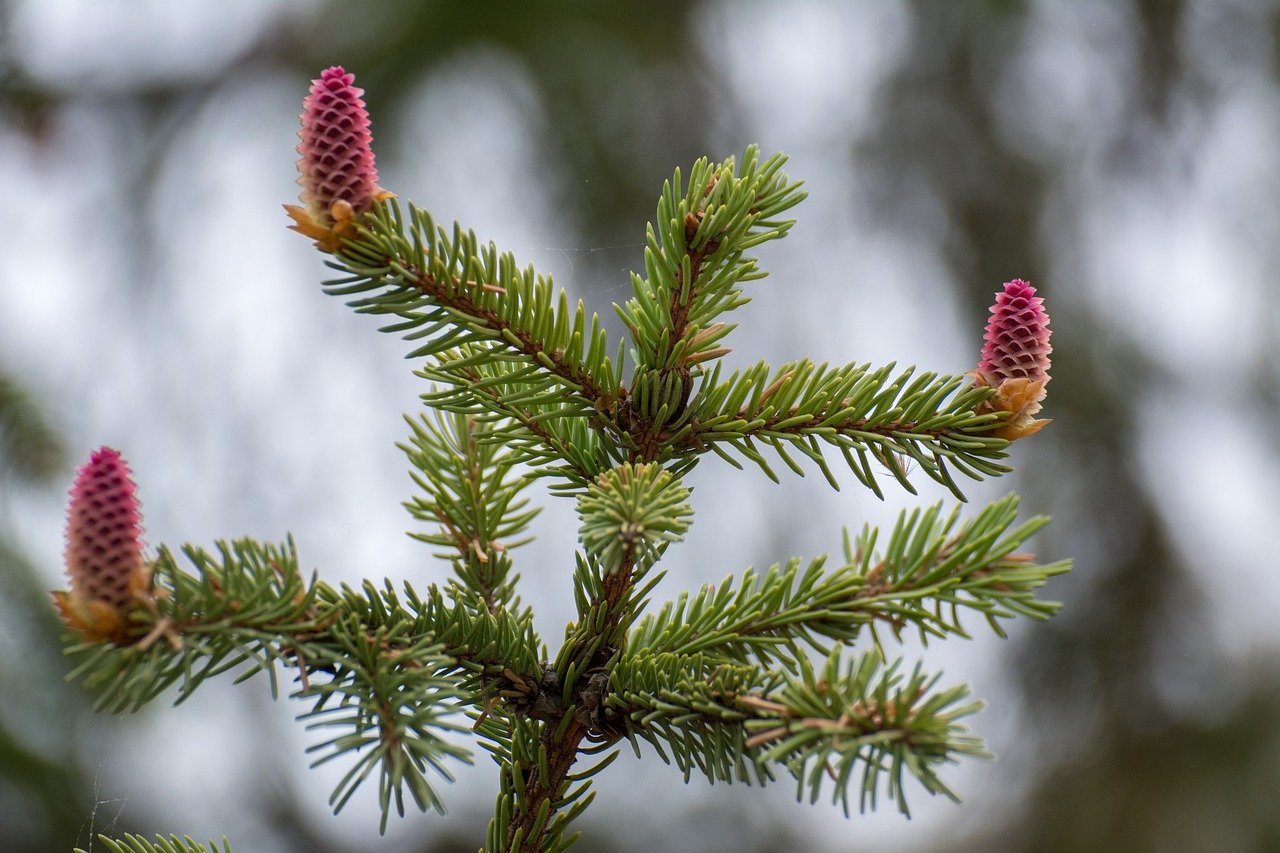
1127 772
43 784
1117 758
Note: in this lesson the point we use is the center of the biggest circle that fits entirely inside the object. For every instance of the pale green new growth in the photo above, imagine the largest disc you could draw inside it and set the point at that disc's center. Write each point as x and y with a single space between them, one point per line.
630 512
789 671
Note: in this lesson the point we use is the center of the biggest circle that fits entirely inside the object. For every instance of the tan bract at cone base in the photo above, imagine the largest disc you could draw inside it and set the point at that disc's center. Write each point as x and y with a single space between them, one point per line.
340 226
97 620
1022 398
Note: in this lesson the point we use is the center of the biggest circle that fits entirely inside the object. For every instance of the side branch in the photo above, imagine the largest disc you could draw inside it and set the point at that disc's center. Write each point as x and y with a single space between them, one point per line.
457 297
737 723
869 415
470 305
695 267
541 442
387 677
473 499
930 569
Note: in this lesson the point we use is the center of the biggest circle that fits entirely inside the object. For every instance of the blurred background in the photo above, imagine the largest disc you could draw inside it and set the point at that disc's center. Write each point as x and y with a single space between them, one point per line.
1123 156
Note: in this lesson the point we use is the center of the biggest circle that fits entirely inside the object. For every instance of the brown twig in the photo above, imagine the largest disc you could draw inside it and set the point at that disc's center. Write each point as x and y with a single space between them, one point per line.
562 750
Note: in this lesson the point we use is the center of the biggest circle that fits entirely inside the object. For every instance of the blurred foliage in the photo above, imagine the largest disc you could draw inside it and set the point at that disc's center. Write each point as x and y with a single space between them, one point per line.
43 788
1090 677
1203 784
30 451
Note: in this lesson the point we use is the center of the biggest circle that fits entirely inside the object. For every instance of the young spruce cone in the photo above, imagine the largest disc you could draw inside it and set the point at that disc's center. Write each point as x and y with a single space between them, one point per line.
338 177
107 573
1015 358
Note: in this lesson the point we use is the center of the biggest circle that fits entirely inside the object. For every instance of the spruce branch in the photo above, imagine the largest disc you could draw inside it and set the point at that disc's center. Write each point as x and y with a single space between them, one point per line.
759 617
695 264
402 671
522 769
869 415
391 673
471 497
539 784
489 650
695 256
737 723
524 386
629 517
521 415
449 290
864 715
684 706
932 567
235 608
390 699
630 512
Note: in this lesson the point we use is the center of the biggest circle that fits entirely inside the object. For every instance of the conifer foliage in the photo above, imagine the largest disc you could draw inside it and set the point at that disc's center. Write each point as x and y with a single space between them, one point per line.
787 672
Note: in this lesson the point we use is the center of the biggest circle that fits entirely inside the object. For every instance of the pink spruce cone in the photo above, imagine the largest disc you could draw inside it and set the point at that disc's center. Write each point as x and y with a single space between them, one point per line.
1017 339
107 573
1015 358
338 177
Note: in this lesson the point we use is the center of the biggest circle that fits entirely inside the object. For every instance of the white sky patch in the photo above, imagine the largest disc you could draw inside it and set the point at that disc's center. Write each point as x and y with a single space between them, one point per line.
62 42
1239 178
1220 504
1067 89
804 72
217 214
467 153
840 288
68 176
1168 271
